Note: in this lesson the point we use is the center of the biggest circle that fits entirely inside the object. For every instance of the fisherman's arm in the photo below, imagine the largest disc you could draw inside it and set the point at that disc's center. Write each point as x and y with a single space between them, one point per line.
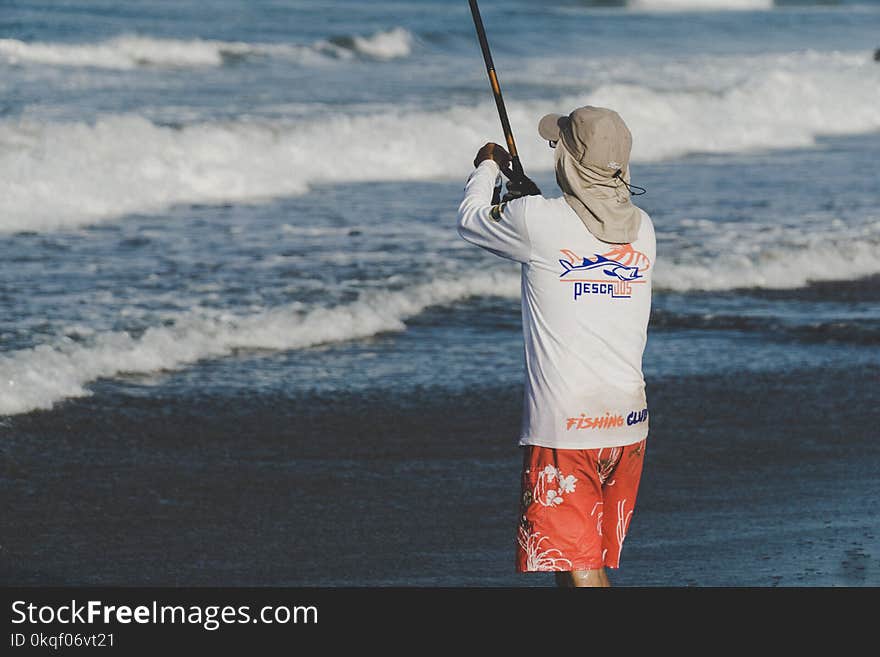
500 229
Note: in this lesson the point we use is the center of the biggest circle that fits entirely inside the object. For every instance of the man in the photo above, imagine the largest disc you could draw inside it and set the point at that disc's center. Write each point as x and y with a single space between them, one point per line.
587 261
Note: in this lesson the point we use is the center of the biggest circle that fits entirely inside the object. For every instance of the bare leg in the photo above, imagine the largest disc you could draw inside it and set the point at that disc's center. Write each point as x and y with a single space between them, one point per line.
583 578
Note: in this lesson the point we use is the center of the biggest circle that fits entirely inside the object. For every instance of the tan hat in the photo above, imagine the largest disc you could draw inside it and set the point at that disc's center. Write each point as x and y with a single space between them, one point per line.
592 170
594 136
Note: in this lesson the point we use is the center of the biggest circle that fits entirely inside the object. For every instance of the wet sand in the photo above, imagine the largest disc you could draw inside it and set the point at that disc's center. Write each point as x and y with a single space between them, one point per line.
759 480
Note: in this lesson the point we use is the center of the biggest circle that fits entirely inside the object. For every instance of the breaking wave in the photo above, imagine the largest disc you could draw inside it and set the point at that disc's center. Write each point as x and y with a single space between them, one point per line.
55 175
130 51
699 5
40 377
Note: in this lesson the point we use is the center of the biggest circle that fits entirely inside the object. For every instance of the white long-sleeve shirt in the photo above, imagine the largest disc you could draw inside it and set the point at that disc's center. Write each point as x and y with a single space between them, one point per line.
585 310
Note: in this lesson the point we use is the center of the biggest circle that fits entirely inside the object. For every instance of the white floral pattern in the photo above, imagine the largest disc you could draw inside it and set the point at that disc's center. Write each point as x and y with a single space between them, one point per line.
553 496
538 559
622 524
567 484
598 507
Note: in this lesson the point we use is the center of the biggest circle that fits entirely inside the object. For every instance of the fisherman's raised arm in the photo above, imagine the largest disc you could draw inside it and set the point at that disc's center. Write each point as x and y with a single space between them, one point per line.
500 229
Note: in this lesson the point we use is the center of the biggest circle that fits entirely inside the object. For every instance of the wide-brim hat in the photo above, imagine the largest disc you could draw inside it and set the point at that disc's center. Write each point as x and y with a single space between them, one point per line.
594 136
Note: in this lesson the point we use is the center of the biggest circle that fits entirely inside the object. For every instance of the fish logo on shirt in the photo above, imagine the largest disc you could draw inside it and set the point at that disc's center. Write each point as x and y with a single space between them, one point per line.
612 273
605 265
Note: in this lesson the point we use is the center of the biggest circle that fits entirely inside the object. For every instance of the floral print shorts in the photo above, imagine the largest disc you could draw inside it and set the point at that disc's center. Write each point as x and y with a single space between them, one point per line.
576 506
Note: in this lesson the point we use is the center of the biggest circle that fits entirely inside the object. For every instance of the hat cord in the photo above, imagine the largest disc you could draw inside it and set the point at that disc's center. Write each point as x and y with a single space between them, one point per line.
619 175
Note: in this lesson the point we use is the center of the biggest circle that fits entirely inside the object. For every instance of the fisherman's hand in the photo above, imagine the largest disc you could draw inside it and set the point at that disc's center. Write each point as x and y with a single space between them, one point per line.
521 186
494 152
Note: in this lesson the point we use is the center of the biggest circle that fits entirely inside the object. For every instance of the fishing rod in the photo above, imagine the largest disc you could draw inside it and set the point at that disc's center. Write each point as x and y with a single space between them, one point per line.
515 174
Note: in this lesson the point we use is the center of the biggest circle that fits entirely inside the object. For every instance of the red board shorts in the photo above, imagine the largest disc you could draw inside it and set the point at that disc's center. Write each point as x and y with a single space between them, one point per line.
576 506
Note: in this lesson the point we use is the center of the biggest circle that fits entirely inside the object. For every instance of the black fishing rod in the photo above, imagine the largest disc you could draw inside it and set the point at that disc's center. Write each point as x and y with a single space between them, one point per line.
515 174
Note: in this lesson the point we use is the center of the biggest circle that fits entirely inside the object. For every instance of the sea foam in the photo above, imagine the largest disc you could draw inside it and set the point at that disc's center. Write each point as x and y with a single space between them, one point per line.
391 44
699 5
56 175
130 51
771 264
40 377
37 378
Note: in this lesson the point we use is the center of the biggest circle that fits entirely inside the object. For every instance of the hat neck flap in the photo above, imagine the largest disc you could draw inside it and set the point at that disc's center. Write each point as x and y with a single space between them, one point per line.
600 200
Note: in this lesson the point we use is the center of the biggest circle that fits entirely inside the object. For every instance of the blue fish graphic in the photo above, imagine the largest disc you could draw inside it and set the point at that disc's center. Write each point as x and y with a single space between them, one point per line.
609 268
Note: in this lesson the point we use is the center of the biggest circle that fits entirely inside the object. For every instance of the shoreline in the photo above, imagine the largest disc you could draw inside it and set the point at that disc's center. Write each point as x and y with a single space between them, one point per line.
750 480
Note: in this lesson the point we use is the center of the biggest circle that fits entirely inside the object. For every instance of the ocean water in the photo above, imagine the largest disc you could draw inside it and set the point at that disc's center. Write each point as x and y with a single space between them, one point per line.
227 237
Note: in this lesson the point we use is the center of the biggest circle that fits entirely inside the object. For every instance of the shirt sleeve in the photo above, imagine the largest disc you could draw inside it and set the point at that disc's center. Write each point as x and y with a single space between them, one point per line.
500 229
